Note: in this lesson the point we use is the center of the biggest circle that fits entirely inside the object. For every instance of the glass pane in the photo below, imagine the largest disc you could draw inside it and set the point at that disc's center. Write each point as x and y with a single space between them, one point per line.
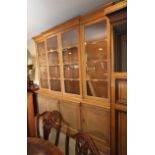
43 73
97 88
41 48
97 70
44 83
69 39
96 32
54 72
96 60
53 58
120 46
70 56
52 43
96 50
55 85
71 71
72 86
121 91
42 61
42 65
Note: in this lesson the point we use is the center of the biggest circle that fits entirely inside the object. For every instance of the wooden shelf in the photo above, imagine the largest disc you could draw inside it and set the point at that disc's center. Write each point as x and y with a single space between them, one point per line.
96 61
55 78
69 47
72 79
53 65
119 75
97 80
95 41
51 51
124 102
75 63
43 79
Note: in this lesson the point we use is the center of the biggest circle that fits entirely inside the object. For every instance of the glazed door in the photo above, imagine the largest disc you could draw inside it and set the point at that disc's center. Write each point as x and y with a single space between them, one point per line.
54 63
96 60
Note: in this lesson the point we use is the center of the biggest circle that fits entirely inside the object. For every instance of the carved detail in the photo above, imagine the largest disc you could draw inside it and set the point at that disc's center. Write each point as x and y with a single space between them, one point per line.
85 145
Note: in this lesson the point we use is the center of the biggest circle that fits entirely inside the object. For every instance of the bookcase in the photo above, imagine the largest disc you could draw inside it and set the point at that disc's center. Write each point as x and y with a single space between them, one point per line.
83 74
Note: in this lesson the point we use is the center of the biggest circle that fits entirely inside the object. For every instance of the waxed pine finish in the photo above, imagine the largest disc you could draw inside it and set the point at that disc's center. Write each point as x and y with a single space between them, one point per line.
83 75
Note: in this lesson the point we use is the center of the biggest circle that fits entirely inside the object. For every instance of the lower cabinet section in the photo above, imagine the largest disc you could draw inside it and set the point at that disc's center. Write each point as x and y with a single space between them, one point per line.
81 116
121 128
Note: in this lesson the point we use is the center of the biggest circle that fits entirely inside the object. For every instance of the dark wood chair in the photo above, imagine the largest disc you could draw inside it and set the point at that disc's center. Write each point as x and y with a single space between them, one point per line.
49 120
84 144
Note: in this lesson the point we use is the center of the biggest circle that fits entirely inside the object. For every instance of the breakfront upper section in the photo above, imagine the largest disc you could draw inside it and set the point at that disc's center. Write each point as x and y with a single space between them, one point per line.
96 59
75 59
59 62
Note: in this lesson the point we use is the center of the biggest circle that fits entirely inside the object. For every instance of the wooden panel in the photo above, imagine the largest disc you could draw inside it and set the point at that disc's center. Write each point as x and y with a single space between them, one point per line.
96 121
116 7
52 104
30 115
121 91
71 113
99 13
42 106
121 133
47 103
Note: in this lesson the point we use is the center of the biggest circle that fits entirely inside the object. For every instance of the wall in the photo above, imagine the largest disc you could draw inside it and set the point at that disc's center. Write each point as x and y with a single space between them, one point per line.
31 59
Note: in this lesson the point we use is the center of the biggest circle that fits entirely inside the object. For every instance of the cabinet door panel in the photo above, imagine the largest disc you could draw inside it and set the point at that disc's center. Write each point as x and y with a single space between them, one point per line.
71 113
46 103
42 106
96 121
52 104
72 86
121 133
121 91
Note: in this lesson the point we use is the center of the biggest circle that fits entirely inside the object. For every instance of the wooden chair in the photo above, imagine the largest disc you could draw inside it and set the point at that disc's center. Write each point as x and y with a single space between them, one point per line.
84 144
49 120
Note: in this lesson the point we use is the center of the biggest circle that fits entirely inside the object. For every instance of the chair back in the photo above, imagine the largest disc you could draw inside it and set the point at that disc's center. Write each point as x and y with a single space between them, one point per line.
84 144
49 120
